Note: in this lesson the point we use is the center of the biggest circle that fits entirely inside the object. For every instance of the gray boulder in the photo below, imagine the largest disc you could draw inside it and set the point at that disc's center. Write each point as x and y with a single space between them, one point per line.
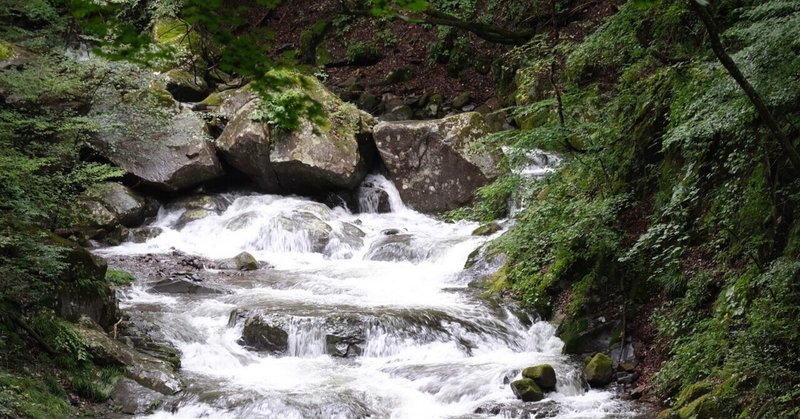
262 335
146 370
309 160
132 398
146 136
242 262
111 203
438 164
396 247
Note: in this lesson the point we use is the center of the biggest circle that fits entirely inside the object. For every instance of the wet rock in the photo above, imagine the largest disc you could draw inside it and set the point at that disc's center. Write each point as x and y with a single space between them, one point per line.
169 154
260 335
487 229
143 234
146 337
598 371
197 207
131 398
309 160
242 262
373 200
544 409
526 390
343 346
147 371
437 164
543 375
242 221
176 286
396 247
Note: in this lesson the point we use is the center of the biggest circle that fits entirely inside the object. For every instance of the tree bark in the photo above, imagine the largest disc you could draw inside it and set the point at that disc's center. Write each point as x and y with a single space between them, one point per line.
755 98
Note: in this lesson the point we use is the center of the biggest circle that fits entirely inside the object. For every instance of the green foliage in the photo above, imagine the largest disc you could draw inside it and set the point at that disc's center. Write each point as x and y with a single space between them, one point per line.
361 51
96 384
27 397
116 277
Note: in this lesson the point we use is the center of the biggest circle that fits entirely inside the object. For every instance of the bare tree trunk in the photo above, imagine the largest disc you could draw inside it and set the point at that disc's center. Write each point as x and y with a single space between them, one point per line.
727 62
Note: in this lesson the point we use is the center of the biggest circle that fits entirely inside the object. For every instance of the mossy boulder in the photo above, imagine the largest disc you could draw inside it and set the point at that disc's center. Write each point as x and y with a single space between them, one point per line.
599 371
487 229
692 393
543 375
6 51
437 164
704 407
526 390
310 160
242 262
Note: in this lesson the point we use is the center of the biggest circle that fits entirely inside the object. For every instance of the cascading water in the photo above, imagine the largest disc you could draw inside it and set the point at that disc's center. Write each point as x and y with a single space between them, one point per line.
379 321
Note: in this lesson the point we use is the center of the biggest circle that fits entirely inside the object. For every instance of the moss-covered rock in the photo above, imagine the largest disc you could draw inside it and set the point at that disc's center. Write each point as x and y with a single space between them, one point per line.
704 407
6 51
527 390
310 160
261 335
487 229
692 393
242 262
543 375
599 371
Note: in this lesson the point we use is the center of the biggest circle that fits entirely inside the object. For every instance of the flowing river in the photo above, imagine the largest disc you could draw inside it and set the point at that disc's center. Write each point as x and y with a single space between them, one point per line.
379 318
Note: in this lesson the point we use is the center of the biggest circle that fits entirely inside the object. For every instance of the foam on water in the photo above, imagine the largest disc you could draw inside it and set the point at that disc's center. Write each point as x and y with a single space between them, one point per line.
431 347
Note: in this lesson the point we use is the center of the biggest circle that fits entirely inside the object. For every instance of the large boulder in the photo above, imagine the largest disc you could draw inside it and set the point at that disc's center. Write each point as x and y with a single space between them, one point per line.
146 370
111 203
308 160
437 164
543 375
262 335
145 134
526 390
599 371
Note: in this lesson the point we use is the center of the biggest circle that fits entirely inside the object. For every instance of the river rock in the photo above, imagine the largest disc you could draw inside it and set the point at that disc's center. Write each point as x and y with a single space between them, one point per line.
437 164
242 262
143 234
149 372
197 207
372 199
526 390
260 335
598 371
166 148
308 160
131 398
487 229
179 286
396 247
543 375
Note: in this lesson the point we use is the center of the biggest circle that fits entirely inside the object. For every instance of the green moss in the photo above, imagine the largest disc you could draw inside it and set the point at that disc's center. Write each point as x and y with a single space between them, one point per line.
31 398
692 393
96 384
171 32
543 375
116 277
598 371
6 51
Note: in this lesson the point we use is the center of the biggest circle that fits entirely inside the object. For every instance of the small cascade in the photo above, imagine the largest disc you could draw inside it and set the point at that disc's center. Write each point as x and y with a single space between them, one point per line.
361 315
